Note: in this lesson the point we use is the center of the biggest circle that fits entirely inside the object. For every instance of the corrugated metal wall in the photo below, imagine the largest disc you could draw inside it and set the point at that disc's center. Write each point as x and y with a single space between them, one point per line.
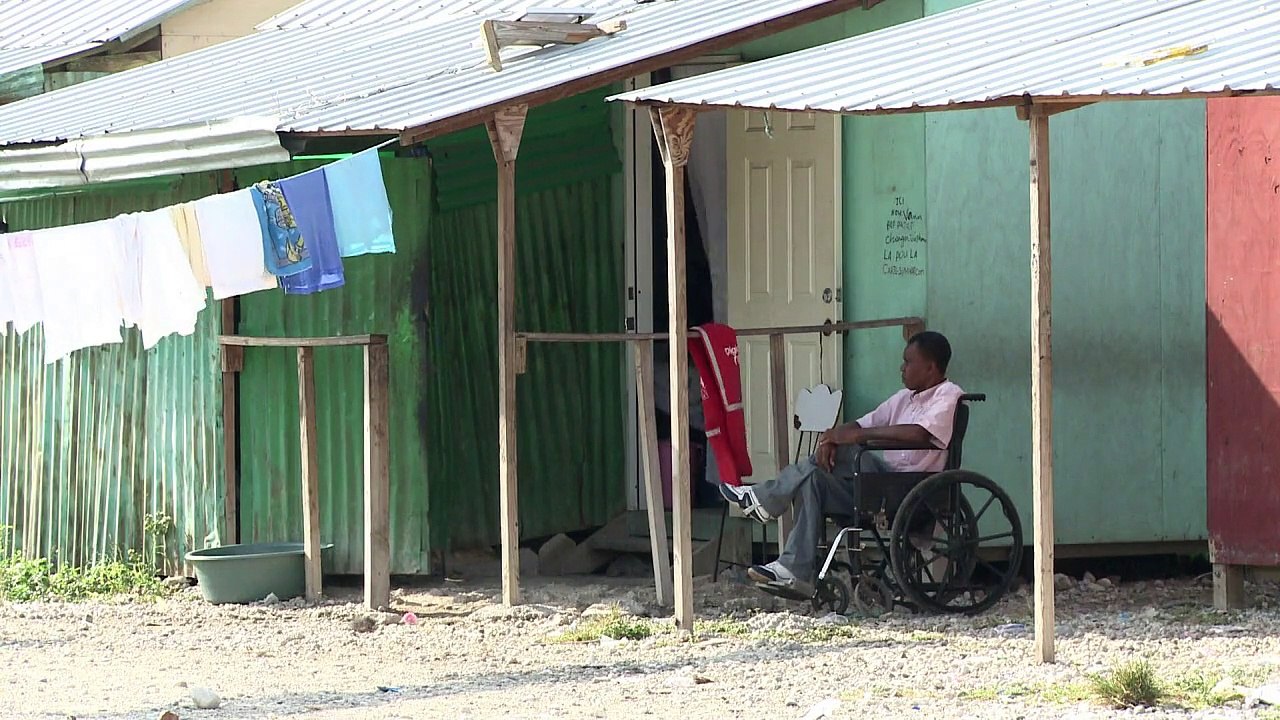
434 298
94 444
382 295
1244 352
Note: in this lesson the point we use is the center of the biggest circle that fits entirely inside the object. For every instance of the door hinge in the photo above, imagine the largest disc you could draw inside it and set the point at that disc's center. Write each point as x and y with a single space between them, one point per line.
630 324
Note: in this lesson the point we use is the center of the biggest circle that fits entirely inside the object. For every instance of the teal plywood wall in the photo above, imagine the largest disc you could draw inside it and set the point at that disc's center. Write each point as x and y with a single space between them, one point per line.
946 195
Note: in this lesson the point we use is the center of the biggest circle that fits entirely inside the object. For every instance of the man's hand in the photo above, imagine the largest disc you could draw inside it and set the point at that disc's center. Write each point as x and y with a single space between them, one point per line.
826 455
830 440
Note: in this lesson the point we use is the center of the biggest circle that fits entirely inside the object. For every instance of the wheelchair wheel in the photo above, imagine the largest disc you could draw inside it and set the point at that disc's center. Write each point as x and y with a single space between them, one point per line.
938 542
872 596
832 592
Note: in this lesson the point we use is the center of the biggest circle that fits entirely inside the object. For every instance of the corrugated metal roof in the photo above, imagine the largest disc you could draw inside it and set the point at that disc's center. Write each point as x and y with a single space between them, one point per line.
45 23
998 51
323 13
14 59
373 77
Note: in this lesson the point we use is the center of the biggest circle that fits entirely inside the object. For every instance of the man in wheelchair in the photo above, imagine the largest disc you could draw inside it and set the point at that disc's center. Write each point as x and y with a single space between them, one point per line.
921 414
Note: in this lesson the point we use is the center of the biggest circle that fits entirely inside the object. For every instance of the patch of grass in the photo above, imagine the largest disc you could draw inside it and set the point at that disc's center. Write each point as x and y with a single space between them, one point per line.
27 580
615 625
1272 714
721 627
1197 691
1051 693
1133 684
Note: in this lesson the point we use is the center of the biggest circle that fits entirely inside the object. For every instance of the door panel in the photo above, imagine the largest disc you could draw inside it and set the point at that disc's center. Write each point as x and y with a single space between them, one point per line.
784 257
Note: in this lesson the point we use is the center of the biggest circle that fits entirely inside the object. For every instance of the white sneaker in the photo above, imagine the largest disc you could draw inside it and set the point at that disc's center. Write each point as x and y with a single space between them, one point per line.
745 498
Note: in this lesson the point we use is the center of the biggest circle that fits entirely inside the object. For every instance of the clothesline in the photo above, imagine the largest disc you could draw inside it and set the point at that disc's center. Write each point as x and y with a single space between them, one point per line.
152 270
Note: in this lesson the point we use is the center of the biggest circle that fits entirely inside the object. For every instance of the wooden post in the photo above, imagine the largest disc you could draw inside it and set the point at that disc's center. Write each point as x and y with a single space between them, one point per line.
1042 384
643 350
781 436
310 478
505 129
377 481
674 130
1228 586
232 364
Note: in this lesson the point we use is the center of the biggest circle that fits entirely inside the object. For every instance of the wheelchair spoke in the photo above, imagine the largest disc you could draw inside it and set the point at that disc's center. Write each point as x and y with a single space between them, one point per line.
983 511
985 538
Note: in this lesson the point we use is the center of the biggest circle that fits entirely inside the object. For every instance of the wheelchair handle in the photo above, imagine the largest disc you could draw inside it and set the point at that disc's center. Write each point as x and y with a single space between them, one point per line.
973 397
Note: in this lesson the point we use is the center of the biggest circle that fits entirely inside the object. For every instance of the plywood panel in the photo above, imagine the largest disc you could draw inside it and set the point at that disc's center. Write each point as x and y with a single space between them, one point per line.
1128 428
1243 303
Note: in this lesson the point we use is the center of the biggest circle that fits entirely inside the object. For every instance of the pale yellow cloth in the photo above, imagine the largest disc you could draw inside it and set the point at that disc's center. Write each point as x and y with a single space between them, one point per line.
184 219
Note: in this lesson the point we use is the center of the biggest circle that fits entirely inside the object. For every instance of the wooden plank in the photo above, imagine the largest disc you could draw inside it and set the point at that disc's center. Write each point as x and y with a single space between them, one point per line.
911 324
781 418
620 73
310 470
1228 587
524 32
114 63
674 129
505 130
339 341
1024 111
377 481
1042 386
230 434
652 473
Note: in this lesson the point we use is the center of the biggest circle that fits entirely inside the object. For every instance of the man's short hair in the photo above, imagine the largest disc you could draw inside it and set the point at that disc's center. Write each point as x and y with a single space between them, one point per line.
934 346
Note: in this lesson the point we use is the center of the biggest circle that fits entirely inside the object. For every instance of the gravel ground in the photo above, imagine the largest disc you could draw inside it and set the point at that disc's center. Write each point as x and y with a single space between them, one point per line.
753 657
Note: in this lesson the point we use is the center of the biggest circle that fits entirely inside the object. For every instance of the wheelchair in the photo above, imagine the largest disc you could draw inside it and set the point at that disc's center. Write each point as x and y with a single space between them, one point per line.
944 542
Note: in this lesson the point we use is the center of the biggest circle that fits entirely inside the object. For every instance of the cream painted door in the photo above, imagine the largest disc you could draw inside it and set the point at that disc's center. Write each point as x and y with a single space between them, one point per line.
784 258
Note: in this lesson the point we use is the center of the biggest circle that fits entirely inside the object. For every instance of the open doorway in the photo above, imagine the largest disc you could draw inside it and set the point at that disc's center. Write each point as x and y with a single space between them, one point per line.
706 267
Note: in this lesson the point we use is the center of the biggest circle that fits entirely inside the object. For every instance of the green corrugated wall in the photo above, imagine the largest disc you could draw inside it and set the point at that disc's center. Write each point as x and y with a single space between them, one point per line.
435 299
94 444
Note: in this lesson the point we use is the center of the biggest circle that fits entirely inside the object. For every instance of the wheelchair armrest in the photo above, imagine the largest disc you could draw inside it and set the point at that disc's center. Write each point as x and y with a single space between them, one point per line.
973 397
890 445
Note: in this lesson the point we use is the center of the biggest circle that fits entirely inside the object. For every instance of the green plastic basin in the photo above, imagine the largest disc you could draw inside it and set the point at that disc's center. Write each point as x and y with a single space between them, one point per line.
249 572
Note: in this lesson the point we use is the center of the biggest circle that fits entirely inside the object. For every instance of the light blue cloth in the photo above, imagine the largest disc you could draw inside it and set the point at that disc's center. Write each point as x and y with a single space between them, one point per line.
361 211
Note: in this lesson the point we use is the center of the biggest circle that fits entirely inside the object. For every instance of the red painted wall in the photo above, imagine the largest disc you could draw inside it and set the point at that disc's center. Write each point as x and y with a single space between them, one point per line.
1243 325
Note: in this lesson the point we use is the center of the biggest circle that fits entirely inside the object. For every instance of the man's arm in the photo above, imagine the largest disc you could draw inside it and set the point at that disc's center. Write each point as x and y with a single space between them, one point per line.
854 433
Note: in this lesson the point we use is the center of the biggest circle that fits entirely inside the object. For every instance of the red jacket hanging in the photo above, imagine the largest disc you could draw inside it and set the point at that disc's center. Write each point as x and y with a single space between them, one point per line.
715 353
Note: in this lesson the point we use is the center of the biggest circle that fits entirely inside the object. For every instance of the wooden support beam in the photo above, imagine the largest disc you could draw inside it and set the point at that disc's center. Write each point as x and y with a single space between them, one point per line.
377 481
310 470
674 130
498 34
230 429
652 473
1228 587
1042 385
909 325
781 420
294 342
114 63
1024 111
505 129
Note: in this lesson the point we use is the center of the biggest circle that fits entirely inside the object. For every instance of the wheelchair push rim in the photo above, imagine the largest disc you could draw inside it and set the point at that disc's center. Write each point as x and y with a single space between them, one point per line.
940 535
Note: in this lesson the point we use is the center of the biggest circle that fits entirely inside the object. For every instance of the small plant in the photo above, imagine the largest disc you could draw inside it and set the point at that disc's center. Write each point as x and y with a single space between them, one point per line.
157 526
1132 684
25 579
615 625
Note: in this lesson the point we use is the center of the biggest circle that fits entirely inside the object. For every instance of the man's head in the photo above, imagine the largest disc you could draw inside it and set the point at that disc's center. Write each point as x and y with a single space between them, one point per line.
925 360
